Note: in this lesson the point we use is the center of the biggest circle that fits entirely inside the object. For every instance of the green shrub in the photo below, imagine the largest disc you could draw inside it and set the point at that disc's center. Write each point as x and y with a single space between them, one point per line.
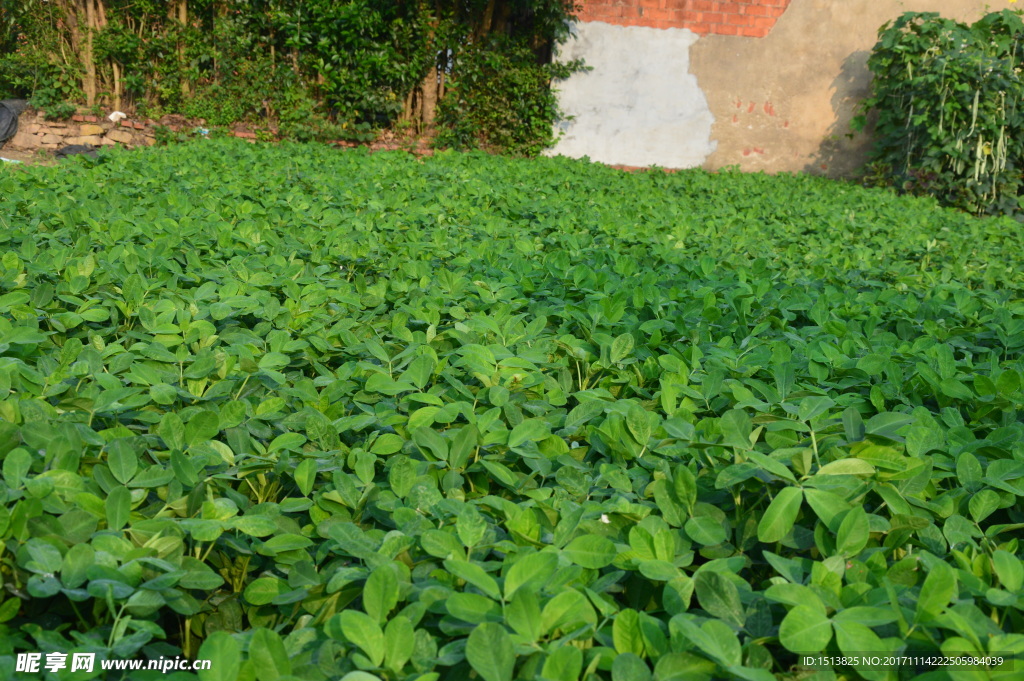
948 120
320 69
501 100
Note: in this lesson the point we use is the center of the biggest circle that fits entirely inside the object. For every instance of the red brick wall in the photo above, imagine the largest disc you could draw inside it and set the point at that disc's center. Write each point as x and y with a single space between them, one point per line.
752 18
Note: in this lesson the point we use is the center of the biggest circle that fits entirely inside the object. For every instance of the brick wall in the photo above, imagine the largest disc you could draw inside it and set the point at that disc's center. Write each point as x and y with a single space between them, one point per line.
751 18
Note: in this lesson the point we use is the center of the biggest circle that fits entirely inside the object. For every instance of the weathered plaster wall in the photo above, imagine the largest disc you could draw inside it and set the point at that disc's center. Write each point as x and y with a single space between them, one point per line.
639 106
784 102
760 84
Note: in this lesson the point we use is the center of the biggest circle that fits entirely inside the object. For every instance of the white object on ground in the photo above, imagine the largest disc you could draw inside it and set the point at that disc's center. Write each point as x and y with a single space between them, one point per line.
8 160
117 116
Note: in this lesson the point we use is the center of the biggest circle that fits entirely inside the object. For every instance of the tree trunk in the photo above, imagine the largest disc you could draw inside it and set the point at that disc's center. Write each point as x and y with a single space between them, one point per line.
295 47
88 58
426 107
484 27
70 11
500 24
177 10
407 108
115 68
116 87
428 97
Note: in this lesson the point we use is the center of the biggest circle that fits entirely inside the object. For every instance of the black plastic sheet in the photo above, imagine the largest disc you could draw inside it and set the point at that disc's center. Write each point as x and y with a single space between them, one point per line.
10 109
76 149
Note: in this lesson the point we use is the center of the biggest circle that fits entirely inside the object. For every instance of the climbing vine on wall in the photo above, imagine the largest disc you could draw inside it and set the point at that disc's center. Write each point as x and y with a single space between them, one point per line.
946 101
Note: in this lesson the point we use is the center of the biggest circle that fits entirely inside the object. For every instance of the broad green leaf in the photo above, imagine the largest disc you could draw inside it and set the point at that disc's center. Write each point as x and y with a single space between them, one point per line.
118 507
361 676
968 471
938 589
630 667
828 506
203 426
402 476
470 525
172 431
441 544
471 607
388 443
705 530
658 570
491 653
725 646
224 654
364 632
780 515
422 418
563 664
955 389
263 590
380 595
284 542
535 568
714 638
812 407
268 654
590 551
16 465
719 596
305 476
530 430
983 504
854 639
475 575
677 594
399 641
122 461
771 465
638 424
567 610
75 565
853 533
291 442
847 467
683 667
853 424
865 615
44 557
254 525
1009 569
522 612
431 444
805 630
621 347
736 427
626 633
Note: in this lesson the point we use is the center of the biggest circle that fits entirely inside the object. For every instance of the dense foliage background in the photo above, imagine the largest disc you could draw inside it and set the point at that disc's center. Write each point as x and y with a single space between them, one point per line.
947 105
319 415
318 68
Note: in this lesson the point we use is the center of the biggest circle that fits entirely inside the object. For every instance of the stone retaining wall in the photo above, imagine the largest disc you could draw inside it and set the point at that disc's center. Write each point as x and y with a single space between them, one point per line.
36 132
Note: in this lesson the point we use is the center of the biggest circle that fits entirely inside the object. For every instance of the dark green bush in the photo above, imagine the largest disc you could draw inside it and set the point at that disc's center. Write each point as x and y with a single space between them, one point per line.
501 99
946 95
318 69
